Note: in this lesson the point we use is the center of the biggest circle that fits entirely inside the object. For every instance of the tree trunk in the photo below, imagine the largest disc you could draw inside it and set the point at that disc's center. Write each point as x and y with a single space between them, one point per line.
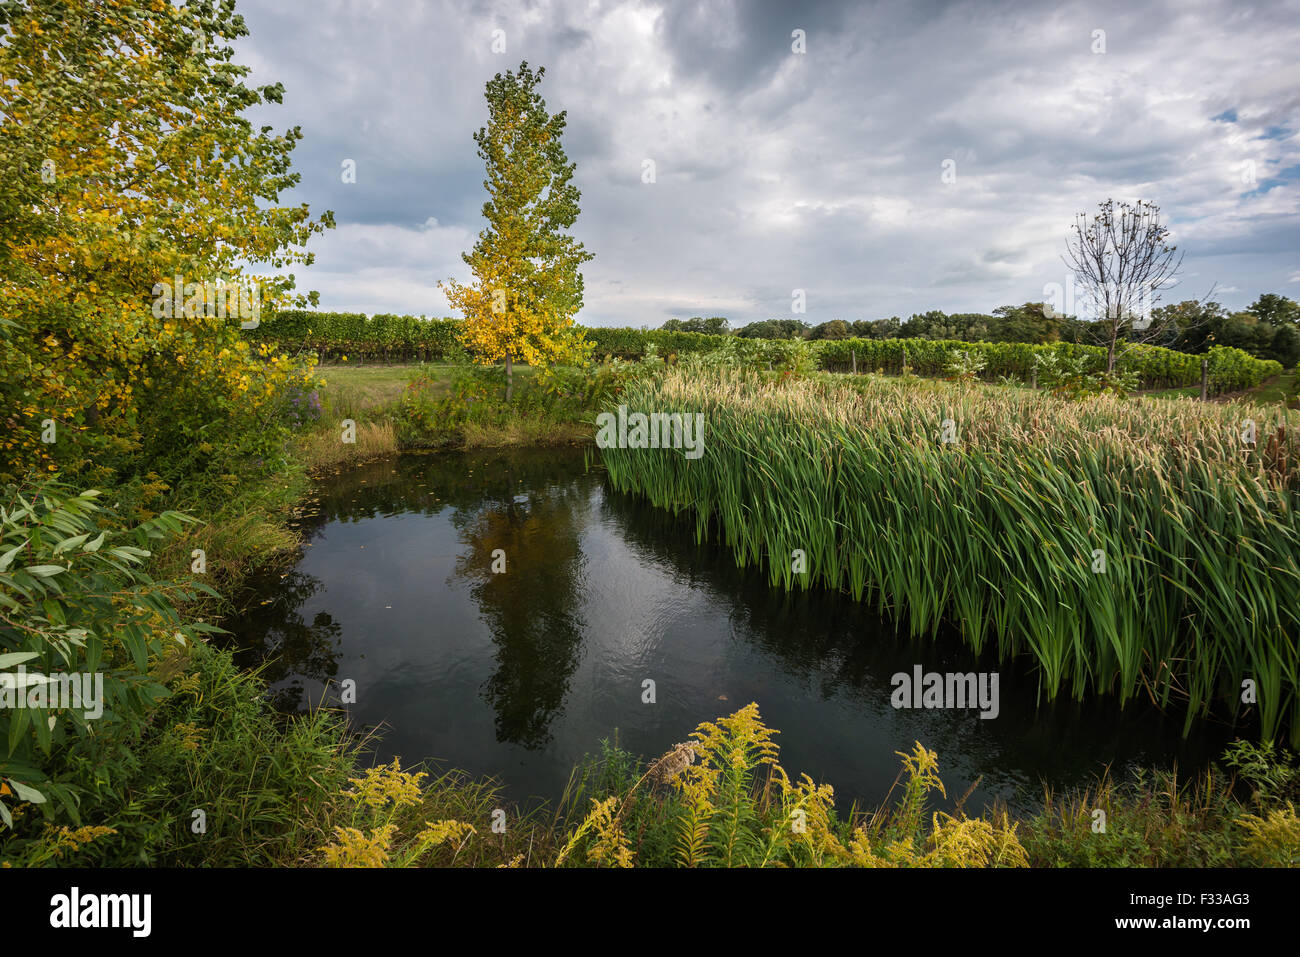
510 377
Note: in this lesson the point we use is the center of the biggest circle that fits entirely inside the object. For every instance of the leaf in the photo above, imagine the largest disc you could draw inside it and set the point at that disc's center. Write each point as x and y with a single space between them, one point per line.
26 791
11 658
68 543
19 682
45 571
17 727
8 556
130 552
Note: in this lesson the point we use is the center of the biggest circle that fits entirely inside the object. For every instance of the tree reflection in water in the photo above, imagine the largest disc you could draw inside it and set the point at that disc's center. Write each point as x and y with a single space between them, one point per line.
533 608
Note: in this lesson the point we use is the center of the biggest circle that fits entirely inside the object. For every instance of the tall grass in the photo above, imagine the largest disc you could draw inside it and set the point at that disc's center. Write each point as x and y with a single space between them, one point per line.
1001 530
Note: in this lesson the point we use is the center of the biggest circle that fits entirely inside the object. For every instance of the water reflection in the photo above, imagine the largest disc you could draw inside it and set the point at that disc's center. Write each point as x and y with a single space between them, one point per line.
521 673
524 566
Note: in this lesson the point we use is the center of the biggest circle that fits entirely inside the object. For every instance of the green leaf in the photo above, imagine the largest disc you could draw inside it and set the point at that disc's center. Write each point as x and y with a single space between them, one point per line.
68 543
45 571
9 659
8 556
19 682
129 552
54 612
17 725
26 792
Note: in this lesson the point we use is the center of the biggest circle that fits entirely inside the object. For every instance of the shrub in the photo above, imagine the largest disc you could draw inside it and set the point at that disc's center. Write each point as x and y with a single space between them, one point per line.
722 799
964 365
1273 839
76 603
382 337
1067 376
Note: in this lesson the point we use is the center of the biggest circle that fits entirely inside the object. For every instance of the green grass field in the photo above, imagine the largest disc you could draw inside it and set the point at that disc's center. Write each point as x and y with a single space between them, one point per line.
1279 389
355 387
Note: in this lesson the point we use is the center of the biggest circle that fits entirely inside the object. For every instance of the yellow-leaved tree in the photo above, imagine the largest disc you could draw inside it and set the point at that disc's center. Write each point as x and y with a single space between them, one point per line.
137 201
527 287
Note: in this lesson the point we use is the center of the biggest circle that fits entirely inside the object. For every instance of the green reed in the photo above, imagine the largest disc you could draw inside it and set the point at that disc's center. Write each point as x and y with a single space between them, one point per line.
1000 532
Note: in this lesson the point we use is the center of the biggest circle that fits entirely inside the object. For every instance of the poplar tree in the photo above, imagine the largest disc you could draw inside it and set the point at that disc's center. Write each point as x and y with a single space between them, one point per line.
527 287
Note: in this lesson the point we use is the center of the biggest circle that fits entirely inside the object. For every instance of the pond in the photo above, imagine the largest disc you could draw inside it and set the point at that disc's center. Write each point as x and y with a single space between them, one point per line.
520 671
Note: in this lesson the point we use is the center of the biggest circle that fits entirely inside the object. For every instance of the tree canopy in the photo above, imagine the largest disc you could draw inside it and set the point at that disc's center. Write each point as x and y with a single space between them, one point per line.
527 285
133 182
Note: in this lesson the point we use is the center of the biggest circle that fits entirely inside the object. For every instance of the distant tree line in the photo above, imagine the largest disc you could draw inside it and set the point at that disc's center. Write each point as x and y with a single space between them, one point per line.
713 326
1268 329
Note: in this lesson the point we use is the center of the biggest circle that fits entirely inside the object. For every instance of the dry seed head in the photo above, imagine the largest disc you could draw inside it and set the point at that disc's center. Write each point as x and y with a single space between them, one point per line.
673 763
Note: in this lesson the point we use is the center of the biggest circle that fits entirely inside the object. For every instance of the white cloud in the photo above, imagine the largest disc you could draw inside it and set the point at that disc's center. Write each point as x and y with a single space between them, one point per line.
779 171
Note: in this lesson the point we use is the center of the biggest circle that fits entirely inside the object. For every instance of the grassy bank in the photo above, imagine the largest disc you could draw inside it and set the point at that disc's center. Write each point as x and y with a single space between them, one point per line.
1130 547
721 798
194 730
277 791
433 405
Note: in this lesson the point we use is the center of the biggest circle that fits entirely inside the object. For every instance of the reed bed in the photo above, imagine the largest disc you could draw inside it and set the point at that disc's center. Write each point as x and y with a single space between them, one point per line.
1002 531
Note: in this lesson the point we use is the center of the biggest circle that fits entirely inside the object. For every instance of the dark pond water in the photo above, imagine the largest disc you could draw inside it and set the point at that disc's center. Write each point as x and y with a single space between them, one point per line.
519 675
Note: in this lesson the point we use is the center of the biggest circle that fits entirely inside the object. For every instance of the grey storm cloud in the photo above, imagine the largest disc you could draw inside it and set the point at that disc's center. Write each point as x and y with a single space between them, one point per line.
778 171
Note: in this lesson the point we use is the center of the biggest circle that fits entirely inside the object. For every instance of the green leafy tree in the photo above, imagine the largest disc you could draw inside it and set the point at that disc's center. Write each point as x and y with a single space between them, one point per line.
1196 325
885 328
834 329
927 325
527 285
1275 310
774 329
1286 345
127 163
1029 322
713 326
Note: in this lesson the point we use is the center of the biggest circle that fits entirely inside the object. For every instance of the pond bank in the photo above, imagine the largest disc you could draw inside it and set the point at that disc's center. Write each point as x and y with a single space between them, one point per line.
1159 821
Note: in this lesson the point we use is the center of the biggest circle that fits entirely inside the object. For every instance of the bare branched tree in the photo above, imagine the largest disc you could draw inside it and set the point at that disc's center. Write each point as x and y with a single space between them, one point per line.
1121 259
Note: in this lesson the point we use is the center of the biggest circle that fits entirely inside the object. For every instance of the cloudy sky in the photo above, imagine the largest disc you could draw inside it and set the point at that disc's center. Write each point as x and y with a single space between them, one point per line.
777 170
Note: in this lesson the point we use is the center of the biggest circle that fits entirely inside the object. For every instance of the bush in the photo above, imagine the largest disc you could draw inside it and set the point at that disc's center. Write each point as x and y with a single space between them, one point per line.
434 412
382 337
1067 376
964 365
266 788
633 343
407 338
722 799
76 603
